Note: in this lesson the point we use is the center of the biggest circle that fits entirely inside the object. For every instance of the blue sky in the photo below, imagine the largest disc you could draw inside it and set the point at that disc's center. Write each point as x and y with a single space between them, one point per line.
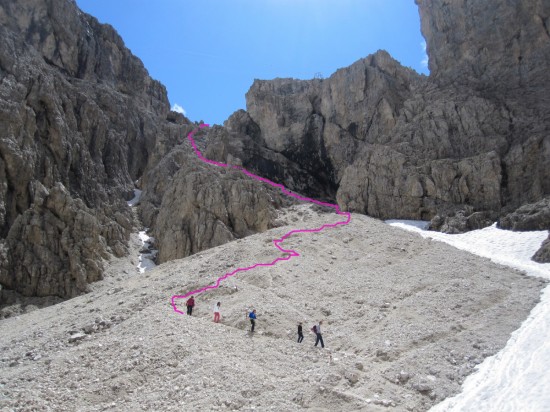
208 52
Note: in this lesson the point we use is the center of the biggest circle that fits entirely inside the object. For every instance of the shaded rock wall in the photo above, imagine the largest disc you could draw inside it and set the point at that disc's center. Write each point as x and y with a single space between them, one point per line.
81 121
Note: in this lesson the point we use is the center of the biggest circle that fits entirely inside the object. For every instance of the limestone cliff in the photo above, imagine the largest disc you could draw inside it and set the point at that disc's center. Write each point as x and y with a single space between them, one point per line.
192 206
467 143
81 121
499 48
82 124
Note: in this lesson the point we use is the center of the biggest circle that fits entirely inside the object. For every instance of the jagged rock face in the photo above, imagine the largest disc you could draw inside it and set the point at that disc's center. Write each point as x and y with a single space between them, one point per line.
319 124
80 47
306 133
533 216
385 141
543 254
81 121
377 137
60 236
240 143
501 46
501 52
192 206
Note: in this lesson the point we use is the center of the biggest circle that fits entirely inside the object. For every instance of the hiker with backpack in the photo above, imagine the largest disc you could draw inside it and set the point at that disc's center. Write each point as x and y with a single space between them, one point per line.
190 305
300 334
317 330
252 317
217 312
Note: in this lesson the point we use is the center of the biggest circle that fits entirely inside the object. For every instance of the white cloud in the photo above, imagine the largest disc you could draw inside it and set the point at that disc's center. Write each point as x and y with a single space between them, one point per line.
177 108
424 61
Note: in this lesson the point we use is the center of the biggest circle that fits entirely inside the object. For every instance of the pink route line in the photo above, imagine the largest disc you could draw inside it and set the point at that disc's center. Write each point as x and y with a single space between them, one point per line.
291 253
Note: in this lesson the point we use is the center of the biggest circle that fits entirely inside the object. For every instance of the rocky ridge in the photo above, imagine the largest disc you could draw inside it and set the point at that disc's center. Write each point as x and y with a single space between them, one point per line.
192 206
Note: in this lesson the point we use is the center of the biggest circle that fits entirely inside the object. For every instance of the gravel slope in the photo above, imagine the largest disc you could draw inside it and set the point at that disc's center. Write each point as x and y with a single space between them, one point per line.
406 319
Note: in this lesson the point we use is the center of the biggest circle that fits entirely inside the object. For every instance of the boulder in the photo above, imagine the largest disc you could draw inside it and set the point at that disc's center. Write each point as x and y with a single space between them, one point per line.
543 254
531 216
462 219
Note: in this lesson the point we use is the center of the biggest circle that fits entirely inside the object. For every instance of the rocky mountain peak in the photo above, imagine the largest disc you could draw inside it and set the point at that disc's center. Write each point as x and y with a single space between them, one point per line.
471 138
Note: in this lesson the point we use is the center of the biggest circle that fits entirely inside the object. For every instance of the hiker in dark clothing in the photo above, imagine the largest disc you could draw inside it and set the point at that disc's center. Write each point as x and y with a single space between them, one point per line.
318 333
190 304
300 334
252 316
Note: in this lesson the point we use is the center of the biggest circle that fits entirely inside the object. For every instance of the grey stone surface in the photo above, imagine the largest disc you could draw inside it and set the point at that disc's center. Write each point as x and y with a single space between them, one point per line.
499 46
81 121
543 254
431 311
382 140
531 216
192 206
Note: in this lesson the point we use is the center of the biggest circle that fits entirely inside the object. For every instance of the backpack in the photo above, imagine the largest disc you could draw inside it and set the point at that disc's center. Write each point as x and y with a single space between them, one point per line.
314 329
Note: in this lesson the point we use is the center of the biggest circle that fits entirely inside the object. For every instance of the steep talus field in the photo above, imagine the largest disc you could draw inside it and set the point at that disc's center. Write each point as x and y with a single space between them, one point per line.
406 319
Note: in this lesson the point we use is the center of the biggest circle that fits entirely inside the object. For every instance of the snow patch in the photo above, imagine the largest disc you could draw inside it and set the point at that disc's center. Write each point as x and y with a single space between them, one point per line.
147 255
505 247
177 108
516 378
404 224
135 200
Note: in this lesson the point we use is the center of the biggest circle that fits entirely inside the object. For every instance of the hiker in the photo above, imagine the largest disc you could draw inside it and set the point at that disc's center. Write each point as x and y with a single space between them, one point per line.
252 316
217 312
317 330
300 334
190 304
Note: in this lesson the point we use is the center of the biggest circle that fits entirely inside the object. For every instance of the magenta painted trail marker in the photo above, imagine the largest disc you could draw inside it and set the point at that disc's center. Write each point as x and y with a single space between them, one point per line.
290 253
